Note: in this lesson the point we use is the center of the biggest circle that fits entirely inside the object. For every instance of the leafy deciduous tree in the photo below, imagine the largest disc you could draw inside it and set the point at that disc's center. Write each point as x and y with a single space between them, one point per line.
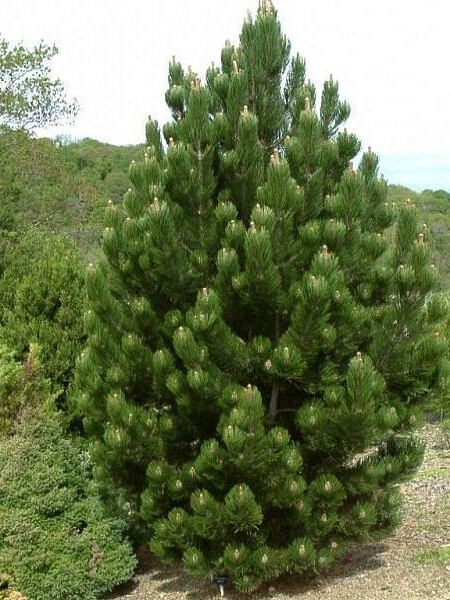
29 96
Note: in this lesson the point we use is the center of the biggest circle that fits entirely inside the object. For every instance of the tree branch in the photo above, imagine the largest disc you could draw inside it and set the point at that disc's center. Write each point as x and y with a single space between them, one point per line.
275 387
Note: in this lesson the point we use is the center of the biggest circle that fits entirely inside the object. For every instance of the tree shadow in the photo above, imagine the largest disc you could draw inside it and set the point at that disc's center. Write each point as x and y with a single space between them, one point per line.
360 558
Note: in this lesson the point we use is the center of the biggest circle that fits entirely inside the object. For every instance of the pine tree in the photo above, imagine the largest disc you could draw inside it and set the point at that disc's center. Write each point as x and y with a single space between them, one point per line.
263 336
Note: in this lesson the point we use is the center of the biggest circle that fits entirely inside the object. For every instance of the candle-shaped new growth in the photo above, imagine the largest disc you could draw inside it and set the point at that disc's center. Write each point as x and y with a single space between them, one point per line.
275 156
266 6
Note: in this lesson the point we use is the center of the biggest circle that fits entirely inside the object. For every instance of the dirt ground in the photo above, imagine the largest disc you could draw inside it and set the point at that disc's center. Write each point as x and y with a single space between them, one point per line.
413 564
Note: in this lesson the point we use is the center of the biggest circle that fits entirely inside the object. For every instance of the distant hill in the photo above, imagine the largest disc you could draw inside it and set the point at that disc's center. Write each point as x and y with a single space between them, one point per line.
63 186
60 186
101 165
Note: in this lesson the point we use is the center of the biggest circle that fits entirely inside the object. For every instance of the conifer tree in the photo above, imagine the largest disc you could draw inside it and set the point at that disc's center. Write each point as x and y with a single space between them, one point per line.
259 352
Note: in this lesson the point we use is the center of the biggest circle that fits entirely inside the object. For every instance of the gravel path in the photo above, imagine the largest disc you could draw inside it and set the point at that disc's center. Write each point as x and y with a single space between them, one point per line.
394 568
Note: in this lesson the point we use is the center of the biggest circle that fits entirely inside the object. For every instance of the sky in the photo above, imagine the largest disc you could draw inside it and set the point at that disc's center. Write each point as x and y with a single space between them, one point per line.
391 58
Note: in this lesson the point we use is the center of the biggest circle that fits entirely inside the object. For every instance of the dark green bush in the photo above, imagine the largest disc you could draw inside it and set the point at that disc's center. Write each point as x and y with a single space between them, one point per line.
56 541
41 301
24 392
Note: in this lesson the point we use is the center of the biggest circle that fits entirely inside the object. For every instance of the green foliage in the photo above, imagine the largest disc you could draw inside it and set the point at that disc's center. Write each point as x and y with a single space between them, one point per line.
24 391
29 97
434 211
444 438
103 166
41 301
39 192
56 541
60 187
264 333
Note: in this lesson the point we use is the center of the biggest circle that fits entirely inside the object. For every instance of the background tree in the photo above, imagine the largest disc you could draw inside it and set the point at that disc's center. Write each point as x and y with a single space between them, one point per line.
259 354
29 96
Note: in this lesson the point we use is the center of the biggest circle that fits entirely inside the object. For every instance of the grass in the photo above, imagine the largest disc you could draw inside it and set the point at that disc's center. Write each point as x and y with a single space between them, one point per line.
439 555
438 472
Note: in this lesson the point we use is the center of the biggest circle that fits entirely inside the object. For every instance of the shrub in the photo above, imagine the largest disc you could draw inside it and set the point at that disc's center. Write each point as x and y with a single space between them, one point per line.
24 392
41 301
56 541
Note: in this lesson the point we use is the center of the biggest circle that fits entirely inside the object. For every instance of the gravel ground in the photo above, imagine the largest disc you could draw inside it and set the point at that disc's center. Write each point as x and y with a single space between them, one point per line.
377 571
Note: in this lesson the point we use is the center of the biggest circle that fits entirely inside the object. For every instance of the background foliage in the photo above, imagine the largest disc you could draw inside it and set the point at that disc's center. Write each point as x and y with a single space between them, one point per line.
42 301
25 393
